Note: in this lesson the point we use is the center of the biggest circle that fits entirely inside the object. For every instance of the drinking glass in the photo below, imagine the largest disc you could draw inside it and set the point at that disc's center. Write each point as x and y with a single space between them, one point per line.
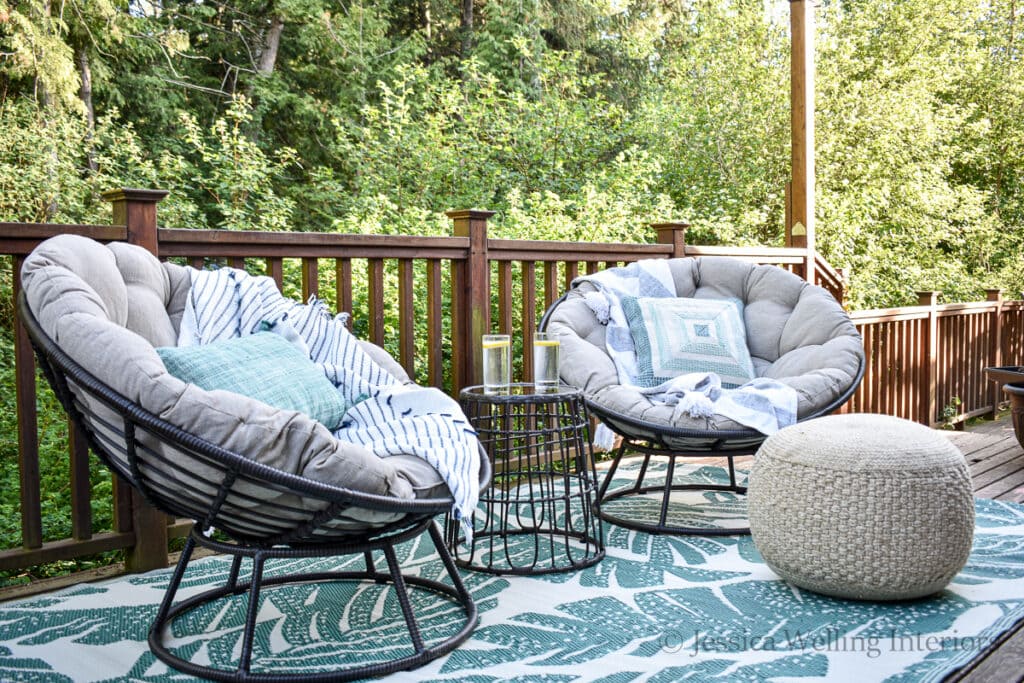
497 350
545 362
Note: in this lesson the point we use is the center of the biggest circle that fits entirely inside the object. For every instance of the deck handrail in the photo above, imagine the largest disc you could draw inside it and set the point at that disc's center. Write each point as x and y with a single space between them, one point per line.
428 298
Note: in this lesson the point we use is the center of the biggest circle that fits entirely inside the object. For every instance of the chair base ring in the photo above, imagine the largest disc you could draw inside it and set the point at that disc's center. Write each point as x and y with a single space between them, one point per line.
637 489
398 582
607 516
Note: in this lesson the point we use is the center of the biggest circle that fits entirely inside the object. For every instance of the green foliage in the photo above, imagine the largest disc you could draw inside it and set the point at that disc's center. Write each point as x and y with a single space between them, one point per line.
720 119
233 176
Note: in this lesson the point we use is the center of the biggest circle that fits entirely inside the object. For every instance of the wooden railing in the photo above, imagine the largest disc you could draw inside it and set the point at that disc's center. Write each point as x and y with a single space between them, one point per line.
926 363
428 300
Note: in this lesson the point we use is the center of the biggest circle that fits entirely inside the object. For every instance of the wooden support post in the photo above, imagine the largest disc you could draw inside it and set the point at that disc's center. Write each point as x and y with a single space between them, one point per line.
674 233
471 294
800 227
136 210
995 354
929 357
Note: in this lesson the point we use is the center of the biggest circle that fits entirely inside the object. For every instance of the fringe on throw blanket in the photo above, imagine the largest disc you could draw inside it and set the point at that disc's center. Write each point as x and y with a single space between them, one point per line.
388 417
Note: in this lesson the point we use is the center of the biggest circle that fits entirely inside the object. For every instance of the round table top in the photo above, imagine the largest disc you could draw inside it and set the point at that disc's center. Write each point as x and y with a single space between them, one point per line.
520 392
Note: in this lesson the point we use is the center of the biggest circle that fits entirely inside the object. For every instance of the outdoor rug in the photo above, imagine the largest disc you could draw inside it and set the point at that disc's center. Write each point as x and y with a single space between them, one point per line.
656 608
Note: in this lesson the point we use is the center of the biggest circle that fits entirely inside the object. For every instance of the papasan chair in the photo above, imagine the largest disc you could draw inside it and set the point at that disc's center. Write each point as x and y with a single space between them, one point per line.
267 484
789 331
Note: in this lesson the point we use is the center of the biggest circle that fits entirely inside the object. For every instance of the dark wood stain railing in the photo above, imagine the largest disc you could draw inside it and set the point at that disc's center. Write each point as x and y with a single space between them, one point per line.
428 300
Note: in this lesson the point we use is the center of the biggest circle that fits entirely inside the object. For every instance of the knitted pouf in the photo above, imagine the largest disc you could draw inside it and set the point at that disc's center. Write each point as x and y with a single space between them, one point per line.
862 506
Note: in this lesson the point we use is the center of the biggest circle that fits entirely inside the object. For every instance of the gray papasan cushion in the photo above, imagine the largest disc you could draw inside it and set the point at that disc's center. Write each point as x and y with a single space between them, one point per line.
796 333
108 307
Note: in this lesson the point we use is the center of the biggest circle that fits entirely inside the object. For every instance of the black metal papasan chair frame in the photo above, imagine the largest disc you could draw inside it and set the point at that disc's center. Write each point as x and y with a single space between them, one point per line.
726 443
301 533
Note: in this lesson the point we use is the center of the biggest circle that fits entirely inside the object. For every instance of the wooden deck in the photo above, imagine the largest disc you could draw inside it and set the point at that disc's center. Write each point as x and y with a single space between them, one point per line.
995 458
997 470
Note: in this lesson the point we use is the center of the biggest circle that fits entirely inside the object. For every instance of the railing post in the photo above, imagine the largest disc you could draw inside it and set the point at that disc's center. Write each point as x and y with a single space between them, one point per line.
674 233
995 354
929 357
471 297
136 210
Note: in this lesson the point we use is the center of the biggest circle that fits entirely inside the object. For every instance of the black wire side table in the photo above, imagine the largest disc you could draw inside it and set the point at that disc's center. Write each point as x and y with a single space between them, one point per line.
539 515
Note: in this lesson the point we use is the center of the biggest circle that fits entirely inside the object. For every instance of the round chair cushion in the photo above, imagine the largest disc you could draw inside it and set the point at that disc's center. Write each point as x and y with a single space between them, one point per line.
109 306
796 333
862 506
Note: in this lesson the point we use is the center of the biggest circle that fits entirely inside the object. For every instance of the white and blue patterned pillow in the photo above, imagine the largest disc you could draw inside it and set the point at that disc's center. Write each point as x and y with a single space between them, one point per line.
677 336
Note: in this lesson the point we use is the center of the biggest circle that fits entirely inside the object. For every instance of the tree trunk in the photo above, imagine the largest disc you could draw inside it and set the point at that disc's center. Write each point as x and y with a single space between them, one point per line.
271 43
46 100
466 29
85 94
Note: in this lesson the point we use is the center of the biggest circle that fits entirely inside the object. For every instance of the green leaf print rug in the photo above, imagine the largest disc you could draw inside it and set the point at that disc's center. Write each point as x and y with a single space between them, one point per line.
657 608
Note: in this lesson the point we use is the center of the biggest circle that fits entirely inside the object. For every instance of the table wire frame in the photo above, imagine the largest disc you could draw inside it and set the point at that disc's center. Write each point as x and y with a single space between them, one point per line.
539 515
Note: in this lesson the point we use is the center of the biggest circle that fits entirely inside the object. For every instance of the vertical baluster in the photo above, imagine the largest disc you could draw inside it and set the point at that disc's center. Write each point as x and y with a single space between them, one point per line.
375 275
892 329
529 316
275 270
28 428
871 373
550 283
122 504
406 317
435 332
505 297
81 491
572 271
343 286
310 278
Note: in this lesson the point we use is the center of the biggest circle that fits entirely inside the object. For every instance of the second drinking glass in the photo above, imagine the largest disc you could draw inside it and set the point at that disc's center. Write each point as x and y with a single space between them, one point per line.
545 362
497 361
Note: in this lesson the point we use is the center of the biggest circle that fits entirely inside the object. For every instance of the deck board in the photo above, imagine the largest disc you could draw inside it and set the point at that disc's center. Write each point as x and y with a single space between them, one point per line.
996 462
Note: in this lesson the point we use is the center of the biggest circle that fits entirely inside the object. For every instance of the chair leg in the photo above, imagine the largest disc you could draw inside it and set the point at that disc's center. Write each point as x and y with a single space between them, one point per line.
670 472
403 599
250 613
172 587
449 564
236 568
611 472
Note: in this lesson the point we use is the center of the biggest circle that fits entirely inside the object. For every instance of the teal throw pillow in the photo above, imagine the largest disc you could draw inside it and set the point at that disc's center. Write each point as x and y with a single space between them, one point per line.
675 337
263 366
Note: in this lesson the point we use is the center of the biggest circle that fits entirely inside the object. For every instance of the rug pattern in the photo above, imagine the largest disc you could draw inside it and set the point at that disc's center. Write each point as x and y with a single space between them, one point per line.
657 608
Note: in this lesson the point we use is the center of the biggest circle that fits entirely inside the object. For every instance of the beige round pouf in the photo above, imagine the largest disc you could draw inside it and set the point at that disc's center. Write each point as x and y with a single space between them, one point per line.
862 506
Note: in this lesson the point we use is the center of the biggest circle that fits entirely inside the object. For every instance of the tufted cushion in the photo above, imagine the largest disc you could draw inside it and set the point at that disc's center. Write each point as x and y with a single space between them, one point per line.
107 307
796 333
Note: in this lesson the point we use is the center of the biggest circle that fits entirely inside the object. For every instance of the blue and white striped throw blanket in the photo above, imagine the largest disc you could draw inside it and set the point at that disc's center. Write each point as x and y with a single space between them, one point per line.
762 404
387 417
